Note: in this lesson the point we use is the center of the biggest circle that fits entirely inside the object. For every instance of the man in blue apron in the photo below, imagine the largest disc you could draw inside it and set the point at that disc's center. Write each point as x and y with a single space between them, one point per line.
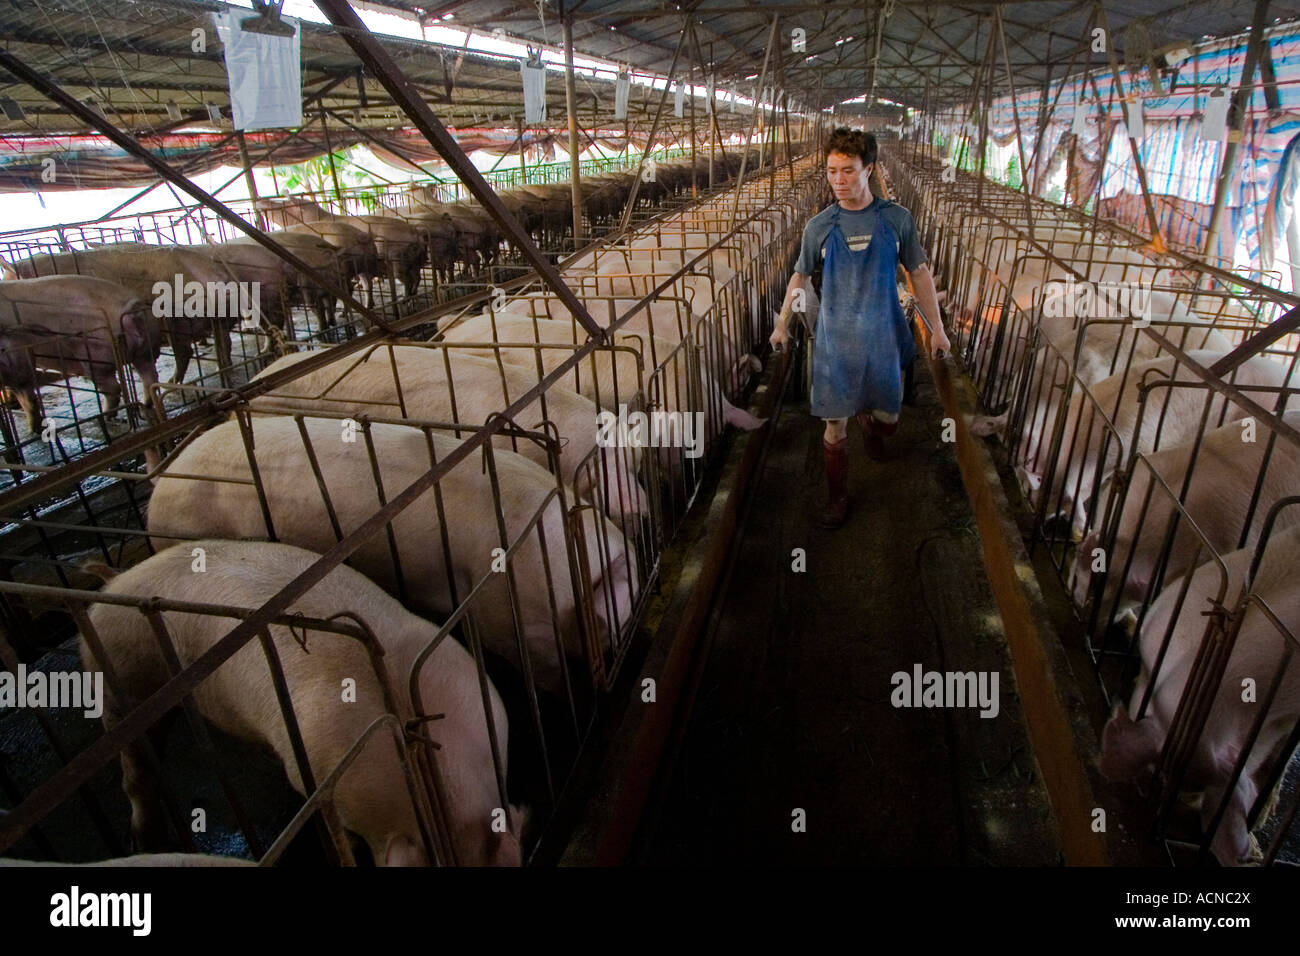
862 341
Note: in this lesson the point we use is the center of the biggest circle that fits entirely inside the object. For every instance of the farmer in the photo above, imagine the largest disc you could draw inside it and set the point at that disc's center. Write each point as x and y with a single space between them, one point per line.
862 341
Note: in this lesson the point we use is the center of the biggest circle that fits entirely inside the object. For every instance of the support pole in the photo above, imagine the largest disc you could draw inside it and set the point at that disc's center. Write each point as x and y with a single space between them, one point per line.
329 153
523 170
715 137
571 104
744 158
1015 112
248 178
695 191
987 77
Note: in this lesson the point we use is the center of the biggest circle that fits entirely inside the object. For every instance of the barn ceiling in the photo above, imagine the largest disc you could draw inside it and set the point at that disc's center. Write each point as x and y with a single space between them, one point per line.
133 56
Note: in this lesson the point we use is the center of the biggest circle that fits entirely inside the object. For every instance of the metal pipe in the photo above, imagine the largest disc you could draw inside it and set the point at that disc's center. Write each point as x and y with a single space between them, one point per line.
571 103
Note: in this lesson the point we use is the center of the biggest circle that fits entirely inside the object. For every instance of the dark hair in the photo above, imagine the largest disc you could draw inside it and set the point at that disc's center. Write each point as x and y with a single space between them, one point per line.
852 142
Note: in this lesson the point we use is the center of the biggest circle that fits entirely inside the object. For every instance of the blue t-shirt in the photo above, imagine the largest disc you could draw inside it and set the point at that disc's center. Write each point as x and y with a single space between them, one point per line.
858 227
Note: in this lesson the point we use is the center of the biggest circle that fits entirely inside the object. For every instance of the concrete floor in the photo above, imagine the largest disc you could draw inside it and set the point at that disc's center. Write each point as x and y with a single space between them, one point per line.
793 707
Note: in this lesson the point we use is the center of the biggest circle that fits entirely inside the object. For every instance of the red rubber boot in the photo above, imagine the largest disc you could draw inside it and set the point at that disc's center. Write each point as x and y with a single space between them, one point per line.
837 480
874 434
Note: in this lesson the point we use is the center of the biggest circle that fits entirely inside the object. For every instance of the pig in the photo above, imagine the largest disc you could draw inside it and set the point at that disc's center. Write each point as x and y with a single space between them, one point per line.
400 246
371 797
367 385
140 268
281 281
358 257
76 325
194 507
1218 497
1104 349
1172 415
1132 748
614 380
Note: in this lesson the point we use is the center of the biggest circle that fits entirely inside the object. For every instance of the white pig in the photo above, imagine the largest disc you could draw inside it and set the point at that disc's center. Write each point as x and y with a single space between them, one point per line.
366 384
1218 497
1131 748
371 797
614 379
1172 415
197 507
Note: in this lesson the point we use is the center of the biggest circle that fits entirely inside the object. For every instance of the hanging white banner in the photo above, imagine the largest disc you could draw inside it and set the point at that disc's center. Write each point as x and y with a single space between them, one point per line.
679 99
1080 124
621 88
534 74
264 73
1136 121
1215 123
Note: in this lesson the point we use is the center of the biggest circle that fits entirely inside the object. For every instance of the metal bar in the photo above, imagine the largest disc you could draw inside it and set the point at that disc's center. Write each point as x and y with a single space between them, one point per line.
329 153
248 179
986 77
571 104
1015 113
380 65
1258 342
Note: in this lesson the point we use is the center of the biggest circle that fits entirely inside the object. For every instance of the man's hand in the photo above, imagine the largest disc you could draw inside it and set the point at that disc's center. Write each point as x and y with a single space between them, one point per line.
939 344
779 338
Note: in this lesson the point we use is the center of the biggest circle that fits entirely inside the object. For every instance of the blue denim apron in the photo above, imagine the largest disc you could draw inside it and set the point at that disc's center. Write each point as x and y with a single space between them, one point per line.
862 340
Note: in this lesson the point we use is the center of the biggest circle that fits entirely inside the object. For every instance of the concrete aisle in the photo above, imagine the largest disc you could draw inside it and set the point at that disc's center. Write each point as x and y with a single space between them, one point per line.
793 708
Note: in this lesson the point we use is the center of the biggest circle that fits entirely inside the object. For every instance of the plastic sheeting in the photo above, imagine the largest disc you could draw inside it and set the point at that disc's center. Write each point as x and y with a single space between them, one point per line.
264 72
534 75
621 89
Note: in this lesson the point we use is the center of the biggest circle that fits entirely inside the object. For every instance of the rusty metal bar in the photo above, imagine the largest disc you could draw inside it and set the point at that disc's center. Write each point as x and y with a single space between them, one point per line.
380 65
571 104
1257 342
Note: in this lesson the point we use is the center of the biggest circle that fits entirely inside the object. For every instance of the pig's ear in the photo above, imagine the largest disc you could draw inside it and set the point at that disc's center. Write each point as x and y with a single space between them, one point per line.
506 851
135 327
1127 747
403 851
983 426
740 418
1232 843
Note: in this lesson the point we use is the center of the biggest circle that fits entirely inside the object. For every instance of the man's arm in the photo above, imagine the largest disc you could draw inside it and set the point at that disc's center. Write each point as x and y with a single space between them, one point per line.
780 334
928 305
